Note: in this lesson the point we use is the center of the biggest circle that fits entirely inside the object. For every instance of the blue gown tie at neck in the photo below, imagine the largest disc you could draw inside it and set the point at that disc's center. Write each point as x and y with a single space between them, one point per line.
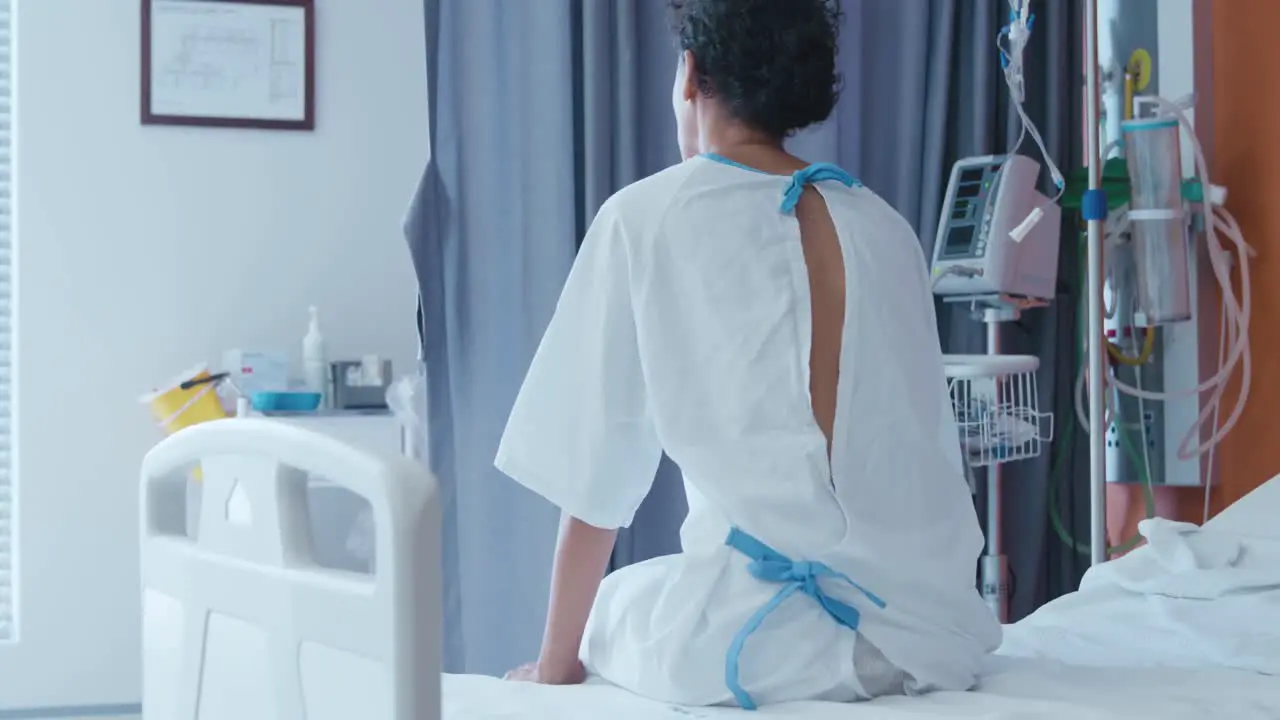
816 172
769 565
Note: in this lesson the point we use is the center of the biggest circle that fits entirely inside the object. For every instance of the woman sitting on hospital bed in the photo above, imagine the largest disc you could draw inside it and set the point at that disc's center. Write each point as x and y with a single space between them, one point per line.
769 324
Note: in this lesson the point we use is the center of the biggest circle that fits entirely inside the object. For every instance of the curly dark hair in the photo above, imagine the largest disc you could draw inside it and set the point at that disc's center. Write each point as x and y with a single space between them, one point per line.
771 62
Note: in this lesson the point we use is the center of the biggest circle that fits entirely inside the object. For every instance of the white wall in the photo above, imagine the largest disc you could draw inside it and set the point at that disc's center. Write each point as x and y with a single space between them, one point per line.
142 250
1175 70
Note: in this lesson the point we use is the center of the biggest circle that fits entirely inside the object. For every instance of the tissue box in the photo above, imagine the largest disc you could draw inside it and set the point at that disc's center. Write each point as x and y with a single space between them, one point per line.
255 372
361 385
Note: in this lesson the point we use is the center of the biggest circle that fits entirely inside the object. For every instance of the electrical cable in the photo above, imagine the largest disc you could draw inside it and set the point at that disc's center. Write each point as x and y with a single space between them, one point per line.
1210 467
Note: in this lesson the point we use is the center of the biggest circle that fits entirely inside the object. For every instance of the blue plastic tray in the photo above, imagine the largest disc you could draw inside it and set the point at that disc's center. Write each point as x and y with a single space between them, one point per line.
285 401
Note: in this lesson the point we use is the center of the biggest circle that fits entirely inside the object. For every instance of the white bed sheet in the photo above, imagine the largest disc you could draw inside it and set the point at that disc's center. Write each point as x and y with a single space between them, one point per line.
1195 597
1015 688
1120 645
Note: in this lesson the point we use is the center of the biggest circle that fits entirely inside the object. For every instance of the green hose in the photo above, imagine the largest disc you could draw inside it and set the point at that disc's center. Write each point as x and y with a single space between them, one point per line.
1055 477
1063 449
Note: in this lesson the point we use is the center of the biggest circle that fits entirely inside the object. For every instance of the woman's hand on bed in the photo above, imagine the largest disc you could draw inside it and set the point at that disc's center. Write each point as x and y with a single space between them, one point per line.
547 674
582 555
525 673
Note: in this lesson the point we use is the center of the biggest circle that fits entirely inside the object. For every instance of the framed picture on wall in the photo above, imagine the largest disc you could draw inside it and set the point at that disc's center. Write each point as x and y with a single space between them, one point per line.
229 63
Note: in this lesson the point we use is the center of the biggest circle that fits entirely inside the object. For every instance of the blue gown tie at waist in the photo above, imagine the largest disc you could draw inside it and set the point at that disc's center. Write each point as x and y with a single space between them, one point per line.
769 565
816 172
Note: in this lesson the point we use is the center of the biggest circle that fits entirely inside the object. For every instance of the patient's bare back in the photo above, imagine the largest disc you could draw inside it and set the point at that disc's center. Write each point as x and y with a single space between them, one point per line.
825 262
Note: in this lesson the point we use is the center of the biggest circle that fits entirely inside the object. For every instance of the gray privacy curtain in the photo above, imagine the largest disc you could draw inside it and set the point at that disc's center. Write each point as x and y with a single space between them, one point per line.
492 234
541 109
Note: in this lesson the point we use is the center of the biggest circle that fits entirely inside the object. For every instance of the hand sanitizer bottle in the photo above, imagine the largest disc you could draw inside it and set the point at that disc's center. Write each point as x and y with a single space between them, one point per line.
315 364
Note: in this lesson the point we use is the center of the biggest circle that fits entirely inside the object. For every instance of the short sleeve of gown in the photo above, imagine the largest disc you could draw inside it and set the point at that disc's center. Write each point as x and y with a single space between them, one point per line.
580 434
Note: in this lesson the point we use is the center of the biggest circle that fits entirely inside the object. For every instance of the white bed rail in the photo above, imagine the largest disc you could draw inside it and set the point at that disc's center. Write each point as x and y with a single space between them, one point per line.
240 623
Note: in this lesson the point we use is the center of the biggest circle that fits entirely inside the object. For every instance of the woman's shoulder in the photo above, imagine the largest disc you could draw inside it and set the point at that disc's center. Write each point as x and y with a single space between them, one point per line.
651 193
642 207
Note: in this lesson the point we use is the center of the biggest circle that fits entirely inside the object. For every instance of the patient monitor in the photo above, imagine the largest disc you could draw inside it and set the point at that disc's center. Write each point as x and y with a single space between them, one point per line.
998 236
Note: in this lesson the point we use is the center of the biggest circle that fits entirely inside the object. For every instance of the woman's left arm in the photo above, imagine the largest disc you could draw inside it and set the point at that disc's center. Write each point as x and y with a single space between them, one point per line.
582 556
581 435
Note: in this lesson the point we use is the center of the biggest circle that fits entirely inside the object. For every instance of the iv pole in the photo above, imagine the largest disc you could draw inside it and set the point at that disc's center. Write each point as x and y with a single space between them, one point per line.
1093 257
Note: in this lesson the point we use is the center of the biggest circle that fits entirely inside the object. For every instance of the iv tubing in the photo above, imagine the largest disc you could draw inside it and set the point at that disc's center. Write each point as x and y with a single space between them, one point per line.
1097 350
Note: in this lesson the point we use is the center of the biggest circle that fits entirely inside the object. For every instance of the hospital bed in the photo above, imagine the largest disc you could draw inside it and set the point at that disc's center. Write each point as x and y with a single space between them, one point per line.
239 622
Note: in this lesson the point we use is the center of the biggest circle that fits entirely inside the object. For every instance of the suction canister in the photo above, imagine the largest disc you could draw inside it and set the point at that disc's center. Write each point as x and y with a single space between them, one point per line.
1158 221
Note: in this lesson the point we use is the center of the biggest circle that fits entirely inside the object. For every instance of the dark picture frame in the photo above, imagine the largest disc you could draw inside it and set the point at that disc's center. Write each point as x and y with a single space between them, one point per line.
307 122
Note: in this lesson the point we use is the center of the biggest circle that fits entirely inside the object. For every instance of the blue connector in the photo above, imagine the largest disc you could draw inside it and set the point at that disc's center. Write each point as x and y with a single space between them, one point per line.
1093 204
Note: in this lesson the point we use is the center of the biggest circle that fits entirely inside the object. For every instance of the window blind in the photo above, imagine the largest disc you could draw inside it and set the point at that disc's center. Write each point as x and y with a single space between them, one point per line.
8 584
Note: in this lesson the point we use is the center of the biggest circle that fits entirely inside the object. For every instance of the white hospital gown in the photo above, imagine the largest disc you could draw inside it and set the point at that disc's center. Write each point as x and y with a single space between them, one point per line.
684 326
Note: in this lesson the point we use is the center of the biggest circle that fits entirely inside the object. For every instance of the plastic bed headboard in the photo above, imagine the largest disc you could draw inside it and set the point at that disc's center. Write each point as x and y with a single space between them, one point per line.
240 623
